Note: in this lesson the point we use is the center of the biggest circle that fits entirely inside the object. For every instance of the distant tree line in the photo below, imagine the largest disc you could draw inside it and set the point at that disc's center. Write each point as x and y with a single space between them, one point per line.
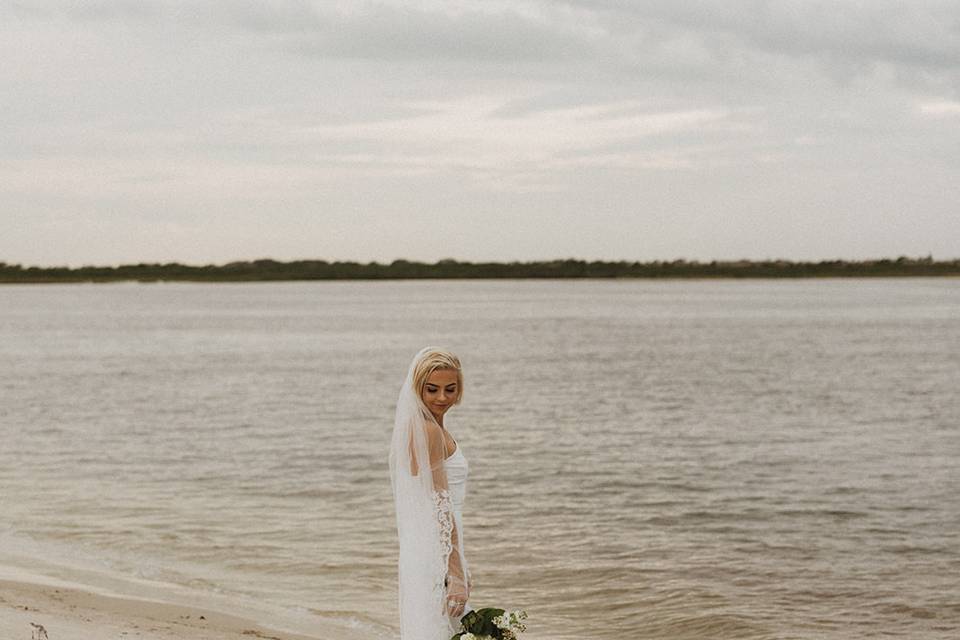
258 270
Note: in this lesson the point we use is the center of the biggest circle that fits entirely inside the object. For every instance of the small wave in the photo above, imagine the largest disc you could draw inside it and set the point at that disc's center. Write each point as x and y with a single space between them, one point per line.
682 627
358 621
838 514
901 609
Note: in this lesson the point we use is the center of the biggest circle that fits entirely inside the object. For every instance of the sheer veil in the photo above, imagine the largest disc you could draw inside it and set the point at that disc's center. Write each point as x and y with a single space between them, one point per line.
430 567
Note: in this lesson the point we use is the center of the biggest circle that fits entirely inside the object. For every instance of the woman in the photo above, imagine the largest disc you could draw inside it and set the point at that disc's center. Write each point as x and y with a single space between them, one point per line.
428 472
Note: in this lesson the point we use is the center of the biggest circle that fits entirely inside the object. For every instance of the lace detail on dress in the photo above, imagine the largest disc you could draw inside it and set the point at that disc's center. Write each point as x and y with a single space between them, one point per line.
443 509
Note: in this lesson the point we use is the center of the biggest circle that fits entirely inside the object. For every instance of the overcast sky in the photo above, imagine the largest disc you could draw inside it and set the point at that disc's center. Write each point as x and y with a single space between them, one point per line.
142 130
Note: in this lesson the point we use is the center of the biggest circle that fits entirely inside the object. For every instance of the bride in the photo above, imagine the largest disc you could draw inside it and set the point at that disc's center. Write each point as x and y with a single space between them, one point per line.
428 472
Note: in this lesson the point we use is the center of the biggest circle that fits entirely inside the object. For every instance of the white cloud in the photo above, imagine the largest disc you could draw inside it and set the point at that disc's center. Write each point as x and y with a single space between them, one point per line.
619 114
940 108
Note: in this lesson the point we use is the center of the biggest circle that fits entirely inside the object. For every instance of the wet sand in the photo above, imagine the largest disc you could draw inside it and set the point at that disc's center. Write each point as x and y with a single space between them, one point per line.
68 613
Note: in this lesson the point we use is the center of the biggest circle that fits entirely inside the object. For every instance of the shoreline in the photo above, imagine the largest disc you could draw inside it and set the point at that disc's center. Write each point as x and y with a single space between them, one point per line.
71 606
72 613
269 270
668 278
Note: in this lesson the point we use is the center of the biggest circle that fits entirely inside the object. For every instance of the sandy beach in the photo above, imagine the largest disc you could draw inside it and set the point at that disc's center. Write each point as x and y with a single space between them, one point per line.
75 614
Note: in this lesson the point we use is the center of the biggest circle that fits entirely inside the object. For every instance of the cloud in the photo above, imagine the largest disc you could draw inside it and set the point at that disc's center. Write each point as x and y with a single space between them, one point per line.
477 134
526 41
578 40
696 111
940 108
915 33
90 10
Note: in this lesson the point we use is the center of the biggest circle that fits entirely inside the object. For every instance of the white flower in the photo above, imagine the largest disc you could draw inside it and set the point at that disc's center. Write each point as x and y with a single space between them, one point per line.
468 636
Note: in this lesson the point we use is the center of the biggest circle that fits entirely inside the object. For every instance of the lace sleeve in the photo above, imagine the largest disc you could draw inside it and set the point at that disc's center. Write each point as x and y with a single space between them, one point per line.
456 581
444 515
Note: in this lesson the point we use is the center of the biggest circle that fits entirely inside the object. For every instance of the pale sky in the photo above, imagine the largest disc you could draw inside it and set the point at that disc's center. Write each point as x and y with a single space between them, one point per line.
205 132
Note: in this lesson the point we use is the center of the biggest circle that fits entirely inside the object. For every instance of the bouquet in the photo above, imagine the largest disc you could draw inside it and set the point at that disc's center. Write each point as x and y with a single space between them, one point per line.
491 624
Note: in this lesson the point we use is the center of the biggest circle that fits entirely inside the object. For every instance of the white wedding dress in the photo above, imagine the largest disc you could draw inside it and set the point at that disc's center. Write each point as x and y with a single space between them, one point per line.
429 482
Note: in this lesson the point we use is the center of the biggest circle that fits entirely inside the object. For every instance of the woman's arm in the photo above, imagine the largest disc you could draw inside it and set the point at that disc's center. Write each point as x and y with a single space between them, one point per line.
457 588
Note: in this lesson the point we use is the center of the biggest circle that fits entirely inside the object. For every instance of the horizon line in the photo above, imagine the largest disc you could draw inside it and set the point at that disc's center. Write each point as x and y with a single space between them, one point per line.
928 259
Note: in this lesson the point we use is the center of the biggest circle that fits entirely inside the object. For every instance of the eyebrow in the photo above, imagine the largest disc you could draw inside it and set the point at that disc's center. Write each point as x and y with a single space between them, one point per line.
452 384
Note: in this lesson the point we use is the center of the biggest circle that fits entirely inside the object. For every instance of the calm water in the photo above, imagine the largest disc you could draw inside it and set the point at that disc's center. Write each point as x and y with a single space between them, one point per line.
760 459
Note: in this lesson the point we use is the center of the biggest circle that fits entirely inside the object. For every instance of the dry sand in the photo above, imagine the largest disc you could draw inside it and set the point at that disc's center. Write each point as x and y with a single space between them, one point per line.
68 613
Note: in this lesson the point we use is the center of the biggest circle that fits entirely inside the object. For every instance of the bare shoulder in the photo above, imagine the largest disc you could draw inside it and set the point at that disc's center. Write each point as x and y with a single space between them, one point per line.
439 442
433 429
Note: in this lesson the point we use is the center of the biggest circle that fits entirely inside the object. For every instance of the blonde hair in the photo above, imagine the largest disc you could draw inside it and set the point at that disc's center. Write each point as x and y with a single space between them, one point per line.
432 359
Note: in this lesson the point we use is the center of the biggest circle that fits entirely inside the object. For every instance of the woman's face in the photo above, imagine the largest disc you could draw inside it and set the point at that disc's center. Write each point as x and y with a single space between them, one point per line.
440 391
